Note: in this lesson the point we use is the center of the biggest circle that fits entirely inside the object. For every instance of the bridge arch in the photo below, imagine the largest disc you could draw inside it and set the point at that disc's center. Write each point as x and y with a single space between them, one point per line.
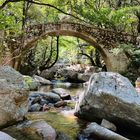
101 39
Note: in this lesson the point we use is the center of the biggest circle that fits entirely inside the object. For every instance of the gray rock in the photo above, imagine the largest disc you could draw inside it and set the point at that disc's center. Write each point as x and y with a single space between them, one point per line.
35 94
36 100
35 107
11 76
4 136
64 94
39 128
13 96
50 73
42 102
42 80
60 91
112 97
50 96
70 75
108 125
60 103
51 105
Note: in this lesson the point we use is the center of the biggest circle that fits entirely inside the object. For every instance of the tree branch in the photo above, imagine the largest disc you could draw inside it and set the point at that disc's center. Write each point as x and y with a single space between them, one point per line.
91 60
8 1
43 4
57 53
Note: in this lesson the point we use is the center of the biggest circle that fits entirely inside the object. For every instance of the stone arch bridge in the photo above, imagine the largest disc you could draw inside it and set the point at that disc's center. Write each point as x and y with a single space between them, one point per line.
102 39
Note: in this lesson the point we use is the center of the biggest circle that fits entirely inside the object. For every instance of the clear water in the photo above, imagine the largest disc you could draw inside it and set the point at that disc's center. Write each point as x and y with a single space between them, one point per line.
62 120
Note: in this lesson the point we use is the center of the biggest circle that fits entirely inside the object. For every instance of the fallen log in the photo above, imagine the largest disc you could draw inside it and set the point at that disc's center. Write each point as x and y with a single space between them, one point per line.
102 133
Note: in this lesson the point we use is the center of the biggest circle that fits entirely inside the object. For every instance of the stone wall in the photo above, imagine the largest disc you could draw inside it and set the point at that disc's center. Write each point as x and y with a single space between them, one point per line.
116 63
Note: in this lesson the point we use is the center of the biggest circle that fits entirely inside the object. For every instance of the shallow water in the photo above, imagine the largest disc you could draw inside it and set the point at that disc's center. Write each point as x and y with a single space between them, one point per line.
62 119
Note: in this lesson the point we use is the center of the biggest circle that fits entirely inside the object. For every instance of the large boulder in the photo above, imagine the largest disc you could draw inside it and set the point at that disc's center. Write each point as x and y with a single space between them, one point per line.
13 96
70 75
112 97
48 74
51 72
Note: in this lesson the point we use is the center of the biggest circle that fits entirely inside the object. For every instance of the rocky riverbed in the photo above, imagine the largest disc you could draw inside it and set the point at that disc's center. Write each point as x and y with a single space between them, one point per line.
51 109
61 118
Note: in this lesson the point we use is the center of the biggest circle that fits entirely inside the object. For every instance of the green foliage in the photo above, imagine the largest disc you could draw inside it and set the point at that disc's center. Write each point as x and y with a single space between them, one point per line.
100 13
10 18
68 49
124 48
30 82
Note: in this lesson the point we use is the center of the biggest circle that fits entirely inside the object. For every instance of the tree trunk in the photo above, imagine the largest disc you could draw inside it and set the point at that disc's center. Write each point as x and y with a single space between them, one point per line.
97 58
103 133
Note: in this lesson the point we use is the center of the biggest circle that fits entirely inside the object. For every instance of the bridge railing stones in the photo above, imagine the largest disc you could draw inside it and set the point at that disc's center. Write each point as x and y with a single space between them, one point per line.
102 39
103 36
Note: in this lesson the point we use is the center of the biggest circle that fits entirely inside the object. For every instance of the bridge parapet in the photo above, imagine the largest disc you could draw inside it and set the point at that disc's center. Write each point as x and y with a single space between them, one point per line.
105 37
102 39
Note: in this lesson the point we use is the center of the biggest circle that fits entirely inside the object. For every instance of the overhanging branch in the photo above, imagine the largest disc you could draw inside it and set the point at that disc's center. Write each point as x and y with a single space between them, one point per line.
43 4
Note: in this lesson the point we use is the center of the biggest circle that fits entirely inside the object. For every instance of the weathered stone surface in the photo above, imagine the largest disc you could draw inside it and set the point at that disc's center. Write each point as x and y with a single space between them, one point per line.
108 125
116 62
35 107
41 80
50 96
50 73
39 129
105 40
69 74
13 96
60 103
112 97
64 94
60 91
11 75
4 136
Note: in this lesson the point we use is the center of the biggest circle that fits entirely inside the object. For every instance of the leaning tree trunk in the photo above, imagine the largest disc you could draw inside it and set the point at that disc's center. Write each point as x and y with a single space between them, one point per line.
17 57
103 133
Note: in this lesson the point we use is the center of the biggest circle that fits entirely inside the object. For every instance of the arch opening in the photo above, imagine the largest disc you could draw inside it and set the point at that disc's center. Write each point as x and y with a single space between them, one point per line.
87 38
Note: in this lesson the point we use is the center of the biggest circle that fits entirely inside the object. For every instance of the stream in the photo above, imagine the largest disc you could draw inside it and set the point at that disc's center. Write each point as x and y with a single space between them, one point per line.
62 118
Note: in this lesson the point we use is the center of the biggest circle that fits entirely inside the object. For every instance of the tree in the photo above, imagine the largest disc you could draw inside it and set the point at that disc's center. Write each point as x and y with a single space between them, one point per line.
16 15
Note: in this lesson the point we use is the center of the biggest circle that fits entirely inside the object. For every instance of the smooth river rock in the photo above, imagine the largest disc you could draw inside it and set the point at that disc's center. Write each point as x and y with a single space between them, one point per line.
13 96
4 136
63 93
41 80
112 97
39 129
49 96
